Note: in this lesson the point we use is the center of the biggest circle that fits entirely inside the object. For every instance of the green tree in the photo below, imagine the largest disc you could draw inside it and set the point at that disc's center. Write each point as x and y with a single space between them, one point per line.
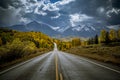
6 37
96 39
103 36
0 41
112 35
91 40
118 35
107 40
76 42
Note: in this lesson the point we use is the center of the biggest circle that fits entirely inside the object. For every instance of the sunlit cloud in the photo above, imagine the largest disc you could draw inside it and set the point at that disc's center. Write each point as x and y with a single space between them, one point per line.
25 20
39 12
116 27
77 18
55 28
57 16
64 2
101 10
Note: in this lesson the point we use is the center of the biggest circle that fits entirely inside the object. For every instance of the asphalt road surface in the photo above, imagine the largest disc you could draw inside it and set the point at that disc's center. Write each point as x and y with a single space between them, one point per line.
57 65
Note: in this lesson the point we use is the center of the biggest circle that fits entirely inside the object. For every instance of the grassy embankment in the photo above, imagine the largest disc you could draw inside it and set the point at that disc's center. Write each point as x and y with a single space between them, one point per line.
7 64
16 47
109 54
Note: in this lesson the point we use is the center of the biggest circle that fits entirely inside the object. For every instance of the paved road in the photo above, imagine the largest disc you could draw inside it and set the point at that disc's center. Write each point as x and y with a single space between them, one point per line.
57 65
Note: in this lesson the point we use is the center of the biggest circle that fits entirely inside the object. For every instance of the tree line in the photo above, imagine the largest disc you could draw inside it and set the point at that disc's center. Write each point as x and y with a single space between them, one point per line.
15 44
64 45
106 37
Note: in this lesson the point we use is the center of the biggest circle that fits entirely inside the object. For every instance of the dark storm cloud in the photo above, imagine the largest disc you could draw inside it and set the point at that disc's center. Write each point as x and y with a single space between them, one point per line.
85 6
12 11
9 16
115 20
59 12
90 8
116 3
6 3
15 3
96 9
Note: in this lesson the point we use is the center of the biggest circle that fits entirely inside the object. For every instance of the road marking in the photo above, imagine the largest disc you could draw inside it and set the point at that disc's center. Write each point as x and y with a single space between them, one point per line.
20 64
102 66
61 77
2 72
97 64
56 67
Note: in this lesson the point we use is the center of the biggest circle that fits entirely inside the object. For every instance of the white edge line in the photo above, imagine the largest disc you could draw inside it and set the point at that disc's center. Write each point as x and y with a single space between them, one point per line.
98 64
102 66
2 72
20 64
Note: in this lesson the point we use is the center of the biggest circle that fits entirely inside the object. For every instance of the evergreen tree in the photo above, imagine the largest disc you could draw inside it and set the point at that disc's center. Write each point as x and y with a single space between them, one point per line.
118 35
0 41
107 40
96 39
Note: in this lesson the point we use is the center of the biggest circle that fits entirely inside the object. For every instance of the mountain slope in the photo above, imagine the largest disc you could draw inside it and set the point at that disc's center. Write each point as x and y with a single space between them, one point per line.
35 26
82 30
87 30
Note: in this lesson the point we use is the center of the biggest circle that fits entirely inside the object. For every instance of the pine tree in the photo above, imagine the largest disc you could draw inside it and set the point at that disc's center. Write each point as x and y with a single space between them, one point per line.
96 39
118 35
107 40
0 41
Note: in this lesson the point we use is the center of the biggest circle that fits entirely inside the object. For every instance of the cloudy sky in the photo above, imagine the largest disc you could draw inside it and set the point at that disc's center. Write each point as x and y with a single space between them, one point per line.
60 13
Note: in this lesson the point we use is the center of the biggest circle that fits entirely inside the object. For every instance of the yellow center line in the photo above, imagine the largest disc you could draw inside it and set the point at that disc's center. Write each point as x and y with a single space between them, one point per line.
56 67
61 77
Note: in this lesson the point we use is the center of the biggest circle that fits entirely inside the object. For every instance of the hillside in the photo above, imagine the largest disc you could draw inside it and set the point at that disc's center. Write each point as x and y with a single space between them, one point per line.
35 26
16 45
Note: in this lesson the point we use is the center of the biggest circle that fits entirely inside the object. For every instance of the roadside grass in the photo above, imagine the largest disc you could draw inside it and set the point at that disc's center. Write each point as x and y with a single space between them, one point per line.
22 59
98 52
18 51
16 46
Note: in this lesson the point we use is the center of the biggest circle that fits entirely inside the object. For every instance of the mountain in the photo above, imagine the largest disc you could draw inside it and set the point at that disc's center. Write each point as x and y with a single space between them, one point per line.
82 30
86 30
19 27
35 26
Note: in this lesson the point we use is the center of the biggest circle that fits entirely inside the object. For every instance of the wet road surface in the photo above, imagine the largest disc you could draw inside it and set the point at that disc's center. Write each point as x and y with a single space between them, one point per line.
57 65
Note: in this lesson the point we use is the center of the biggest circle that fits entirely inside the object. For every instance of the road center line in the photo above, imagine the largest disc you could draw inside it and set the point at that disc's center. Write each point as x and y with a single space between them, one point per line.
61 77
56 67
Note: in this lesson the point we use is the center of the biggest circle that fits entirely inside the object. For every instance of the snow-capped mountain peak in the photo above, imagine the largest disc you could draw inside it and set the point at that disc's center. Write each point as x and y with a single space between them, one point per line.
85 27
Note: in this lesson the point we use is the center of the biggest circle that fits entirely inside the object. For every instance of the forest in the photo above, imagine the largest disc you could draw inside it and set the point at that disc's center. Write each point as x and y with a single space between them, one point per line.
15 45
106 38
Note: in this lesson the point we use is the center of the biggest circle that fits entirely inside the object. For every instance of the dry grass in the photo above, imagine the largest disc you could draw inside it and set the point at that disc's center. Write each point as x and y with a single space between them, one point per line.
106 54
8 64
